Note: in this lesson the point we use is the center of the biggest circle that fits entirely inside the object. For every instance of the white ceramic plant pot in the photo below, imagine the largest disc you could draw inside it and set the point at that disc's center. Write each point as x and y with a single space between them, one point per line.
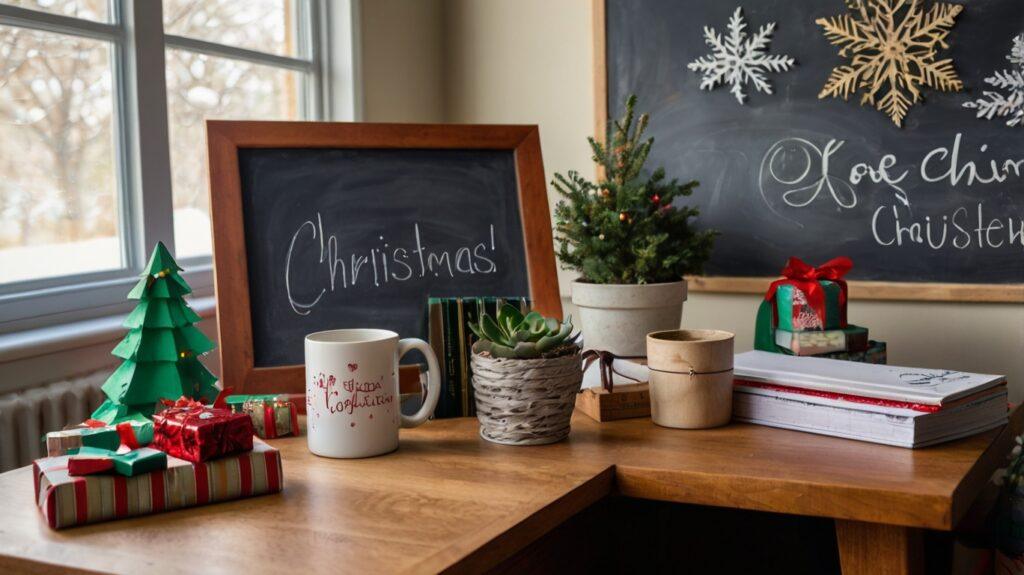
618 317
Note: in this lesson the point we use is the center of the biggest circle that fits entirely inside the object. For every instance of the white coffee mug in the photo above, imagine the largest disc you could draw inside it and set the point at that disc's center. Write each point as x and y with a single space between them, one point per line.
352 401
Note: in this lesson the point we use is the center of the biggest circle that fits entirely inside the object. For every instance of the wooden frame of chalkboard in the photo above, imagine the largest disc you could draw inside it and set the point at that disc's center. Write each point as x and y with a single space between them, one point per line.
864 290
231 273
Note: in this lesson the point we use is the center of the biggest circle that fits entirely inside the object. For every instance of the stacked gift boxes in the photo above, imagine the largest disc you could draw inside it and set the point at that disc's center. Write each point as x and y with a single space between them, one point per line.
805 314
448 320
198 454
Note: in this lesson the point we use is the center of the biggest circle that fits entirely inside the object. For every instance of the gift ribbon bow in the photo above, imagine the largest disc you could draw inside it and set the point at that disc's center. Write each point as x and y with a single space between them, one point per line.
606 366
807 279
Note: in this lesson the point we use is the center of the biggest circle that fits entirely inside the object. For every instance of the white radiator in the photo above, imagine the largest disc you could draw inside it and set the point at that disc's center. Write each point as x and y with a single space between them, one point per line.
26 416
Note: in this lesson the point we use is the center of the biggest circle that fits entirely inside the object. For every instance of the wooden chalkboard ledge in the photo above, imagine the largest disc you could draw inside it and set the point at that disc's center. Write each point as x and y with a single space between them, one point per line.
876 290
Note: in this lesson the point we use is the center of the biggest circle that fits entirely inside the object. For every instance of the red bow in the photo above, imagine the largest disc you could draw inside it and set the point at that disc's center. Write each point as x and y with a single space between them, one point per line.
183 401
807 279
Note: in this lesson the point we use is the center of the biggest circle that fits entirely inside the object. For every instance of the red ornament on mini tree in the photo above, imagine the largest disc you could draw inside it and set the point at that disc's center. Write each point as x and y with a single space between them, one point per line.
161 350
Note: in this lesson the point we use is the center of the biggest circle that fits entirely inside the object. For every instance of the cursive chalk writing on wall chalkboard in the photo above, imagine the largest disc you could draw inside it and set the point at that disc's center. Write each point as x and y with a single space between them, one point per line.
939 200
814 172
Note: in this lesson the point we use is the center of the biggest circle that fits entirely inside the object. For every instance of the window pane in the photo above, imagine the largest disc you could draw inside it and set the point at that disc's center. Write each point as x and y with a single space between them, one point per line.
264 25
98 10
202 87
58 190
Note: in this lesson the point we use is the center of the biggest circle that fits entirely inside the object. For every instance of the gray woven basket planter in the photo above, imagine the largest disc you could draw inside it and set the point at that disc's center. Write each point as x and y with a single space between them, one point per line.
526 401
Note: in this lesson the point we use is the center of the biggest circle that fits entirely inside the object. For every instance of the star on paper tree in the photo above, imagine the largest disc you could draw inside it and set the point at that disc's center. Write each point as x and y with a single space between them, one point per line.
998 104
737 59
892 46
161 351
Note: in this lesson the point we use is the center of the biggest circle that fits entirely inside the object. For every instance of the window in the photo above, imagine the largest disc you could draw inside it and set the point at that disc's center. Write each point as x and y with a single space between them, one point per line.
100 157
230 60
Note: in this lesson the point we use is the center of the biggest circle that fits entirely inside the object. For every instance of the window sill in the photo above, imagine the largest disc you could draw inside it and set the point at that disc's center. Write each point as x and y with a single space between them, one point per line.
37 356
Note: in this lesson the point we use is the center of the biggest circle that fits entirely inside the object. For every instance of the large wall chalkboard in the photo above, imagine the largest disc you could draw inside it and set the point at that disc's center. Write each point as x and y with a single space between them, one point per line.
749 157
359 238
322 226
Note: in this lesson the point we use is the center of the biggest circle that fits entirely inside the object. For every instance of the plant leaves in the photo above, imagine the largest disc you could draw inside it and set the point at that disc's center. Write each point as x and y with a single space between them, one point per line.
491 330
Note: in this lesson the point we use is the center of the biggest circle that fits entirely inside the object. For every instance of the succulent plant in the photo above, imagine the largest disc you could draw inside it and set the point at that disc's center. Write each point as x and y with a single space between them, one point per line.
513 335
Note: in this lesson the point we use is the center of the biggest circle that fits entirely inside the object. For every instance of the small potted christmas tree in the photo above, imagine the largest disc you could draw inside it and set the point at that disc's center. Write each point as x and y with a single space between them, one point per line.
630 241
161 351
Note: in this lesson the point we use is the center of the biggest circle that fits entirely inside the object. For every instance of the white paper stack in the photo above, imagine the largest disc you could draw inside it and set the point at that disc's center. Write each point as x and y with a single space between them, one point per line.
903 406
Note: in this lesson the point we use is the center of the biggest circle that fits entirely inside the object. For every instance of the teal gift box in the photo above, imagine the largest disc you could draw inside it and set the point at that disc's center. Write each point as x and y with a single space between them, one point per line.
795 314
130 464
59 442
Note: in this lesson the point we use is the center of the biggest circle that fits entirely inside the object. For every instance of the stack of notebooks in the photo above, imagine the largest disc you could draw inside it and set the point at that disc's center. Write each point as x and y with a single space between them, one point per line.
902 406
448 320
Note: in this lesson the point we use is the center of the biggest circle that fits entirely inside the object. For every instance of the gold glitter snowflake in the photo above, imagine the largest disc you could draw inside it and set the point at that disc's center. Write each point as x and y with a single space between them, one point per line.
892 46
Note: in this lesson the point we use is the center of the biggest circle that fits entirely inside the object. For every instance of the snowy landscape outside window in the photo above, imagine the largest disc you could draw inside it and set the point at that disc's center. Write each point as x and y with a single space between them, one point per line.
87 186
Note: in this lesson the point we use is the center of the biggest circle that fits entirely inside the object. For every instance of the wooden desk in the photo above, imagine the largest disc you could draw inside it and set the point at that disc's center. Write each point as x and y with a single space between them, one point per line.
449 501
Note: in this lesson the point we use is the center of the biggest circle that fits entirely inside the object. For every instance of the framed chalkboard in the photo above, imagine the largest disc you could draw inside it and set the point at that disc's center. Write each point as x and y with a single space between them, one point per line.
932 210
331 225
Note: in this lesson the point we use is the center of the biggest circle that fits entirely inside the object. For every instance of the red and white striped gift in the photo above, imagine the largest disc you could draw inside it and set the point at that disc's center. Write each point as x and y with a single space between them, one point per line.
66 500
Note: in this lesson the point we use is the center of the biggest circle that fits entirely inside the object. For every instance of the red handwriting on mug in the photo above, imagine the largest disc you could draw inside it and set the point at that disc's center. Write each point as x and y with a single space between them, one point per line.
358 395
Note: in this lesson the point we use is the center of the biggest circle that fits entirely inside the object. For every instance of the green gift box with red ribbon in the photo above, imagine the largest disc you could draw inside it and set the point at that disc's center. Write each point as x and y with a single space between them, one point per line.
805 298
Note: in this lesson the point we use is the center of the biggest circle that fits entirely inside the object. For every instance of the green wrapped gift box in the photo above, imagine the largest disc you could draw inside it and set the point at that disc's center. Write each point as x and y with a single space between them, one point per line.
795 314
130 464
59 442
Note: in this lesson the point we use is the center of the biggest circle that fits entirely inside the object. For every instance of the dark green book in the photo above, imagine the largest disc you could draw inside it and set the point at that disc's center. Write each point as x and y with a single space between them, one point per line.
450 337
471 315
451 358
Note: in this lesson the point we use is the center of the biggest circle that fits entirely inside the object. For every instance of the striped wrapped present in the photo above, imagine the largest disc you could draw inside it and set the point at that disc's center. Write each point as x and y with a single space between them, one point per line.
67 500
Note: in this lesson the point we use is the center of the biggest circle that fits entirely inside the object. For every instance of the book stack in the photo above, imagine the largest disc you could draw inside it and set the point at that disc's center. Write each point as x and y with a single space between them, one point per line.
448 320
902 406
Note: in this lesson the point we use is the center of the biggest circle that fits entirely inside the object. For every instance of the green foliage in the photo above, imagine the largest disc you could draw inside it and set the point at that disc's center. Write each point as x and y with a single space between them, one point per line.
513 335
626 229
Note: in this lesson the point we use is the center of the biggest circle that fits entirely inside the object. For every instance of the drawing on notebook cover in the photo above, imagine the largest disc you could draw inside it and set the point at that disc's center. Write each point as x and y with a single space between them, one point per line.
920 378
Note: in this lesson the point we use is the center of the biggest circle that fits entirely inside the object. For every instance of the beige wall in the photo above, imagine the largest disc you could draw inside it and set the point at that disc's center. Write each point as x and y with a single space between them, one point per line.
529 61
402 63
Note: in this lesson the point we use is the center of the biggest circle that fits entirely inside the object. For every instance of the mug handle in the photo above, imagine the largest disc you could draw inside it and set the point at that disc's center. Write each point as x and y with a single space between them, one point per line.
433 380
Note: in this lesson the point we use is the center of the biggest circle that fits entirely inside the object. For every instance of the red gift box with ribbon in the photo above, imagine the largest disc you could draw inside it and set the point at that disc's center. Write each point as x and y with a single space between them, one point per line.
195 432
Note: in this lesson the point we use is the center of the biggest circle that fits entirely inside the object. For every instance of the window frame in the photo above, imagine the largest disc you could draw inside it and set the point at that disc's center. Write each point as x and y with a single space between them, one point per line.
138 47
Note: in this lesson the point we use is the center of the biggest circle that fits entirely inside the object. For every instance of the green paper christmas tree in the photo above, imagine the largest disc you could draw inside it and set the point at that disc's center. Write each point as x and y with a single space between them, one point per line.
161 351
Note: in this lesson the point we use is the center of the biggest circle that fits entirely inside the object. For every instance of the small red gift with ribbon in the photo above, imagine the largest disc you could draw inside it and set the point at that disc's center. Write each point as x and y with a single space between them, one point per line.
805 298
195 432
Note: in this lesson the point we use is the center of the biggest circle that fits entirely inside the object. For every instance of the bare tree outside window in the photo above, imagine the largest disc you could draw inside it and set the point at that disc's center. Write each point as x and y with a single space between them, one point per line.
201 87
59 187
60 195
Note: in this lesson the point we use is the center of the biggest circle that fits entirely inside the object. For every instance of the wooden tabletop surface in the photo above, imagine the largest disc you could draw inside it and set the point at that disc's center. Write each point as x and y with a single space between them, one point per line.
449 500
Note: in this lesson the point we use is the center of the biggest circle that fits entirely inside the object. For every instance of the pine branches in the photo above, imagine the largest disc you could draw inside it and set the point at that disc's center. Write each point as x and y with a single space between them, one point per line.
625 228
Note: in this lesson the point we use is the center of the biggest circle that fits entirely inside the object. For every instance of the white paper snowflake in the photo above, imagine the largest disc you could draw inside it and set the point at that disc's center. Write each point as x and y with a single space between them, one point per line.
998 104
738 59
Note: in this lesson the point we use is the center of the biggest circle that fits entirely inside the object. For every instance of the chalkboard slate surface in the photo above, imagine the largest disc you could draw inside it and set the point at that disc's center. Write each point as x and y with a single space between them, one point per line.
321 225
778 174
359 238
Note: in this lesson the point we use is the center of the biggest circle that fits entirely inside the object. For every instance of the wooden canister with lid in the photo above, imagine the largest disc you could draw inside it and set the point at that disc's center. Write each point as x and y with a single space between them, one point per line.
691 377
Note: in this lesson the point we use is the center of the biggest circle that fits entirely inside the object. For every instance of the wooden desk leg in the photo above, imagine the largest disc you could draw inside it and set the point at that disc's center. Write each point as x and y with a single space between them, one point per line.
879 549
